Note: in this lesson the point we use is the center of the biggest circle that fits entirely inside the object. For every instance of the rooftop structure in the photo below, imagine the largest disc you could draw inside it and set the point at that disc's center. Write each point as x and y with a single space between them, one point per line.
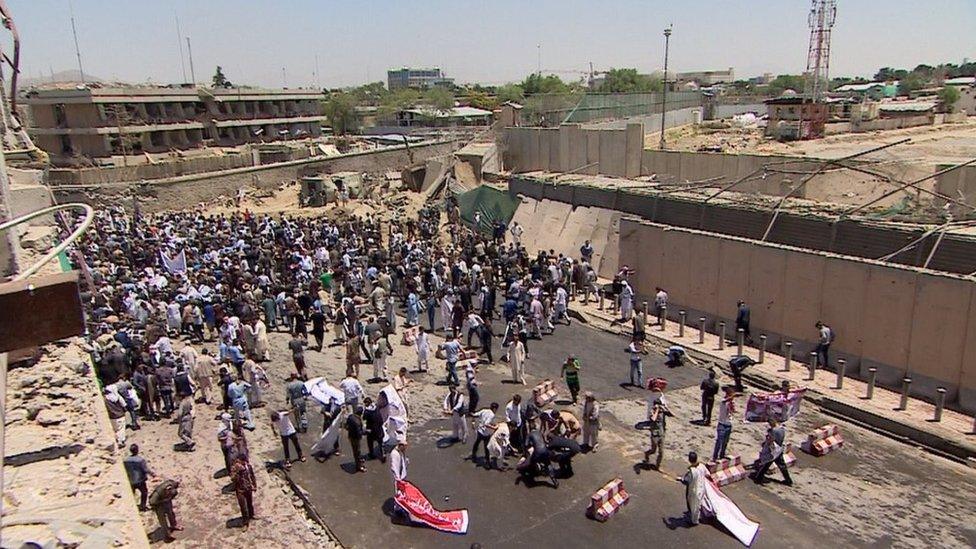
457 116
422 78
100 122
706 78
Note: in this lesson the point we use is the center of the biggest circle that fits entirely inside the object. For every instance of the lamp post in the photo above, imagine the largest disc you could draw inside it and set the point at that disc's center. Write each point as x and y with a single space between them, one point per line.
664 93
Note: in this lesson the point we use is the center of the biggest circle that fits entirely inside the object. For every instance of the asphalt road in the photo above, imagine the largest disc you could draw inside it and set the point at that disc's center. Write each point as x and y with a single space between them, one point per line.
504 512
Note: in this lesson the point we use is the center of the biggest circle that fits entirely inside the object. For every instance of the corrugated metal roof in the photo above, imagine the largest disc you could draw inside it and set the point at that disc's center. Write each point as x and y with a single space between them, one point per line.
961 81
906 106
456 112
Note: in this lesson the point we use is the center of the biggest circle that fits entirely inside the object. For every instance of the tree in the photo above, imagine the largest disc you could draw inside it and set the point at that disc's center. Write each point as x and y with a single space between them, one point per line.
510 92
440 98
536 83
481 100
629 80
396 101
370 94
219 80
911 82
785 82
341 111
948 96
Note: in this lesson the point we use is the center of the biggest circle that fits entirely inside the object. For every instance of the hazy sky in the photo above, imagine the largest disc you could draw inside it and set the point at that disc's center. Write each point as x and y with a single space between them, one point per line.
489 42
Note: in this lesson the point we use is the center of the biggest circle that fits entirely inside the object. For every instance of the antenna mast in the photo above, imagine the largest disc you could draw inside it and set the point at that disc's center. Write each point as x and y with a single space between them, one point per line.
821 20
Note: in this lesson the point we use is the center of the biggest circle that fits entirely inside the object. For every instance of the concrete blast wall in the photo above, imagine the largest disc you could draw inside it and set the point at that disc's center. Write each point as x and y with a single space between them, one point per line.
557 226
570 148
902 321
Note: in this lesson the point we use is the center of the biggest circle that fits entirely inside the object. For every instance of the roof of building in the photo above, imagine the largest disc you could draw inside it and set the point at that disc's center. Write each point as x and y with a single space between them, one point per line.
907 106
961 81
456 112
863 87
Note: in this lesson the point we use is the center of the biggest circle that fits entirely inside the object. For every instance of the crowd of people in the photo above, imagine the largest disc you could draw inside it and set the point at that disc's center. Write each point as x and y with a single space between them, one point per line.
163 284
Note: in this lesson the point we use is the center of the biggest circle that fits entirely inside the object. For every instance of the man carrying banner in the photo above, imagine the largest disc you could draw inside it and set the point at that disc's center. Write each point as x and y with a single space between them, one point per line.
694 480
772 452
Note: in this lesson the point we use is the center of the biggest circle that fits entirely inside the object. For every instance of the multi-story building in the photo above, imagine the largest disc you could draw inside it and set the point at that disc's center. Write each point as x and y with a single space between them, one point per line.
100 122
706 78
416 78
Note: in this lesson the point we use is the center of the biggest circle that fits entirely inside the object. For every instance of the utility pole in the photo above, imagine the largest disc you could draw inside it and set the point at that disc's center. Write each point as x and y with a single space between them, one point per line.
189 51
664 89
318 80
538 48
74 32
284 81
179 42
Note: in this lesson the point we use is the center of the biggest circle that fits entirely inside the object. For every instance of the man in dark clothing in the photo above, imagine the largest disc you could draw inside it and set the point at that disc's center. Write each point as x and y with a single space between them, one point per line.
772 452
356 430
161 501
739 363
742 320
138 471
165 375
709 388
374 429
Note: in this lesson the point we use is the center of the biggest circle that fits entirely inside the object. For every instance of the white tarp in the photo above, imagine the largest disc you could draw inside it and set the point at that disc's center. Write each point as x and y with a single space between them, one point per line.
176 263
394 415
325 394
728 513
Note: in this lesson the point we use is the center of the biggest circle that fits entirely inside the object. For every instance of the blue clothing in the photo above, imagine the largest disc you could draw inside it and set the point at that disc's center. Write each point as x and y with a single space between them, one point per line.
452 350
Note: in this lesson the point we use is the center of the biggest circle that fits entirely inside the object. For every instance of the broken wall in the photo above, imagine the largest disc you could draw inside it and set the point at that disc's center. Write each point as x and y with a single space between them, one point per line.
900 320
571 148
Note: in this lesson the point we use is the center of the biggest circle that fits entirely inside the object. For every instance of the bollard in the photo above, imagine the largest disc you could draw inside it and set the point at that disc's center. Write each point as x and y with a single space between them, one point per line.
939 404
681 323
789 356
740 339
721 335
701 330
572 291
600 293
813 365
841 368
616 304
645 313
906 384
663 318
762 348
872 374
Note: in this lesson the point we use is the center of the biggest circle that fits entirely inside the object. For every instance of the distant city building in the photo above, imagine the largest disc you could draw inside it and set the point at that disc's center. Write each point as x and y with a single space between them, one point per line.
420 79
794 117
100 122
967 94
706 78
872 90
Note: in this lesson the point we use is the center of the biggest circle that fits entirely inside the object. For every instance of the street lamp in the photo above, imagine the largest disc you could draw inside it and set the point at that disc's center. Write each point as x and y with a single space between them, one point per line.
664 94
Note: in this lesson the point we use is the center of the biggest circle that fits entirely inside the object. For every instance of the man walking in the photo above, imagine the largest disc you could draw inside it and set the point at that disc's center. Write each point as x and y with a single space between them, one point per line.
452 351
296 395
245 483
826 334
161 502
454 407
570 372
138 472
515 418
694 481
484 421
591 422
658 429
709 388
186 416
726 409
742 320
373 419
356 430
772 452
281 422
636 350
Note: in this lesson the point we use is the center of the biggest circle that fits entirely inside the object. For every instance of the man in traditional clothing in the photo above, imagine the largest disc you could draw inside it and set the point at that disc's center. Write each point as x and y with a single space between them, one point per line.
454 406
591 422
694 480
262 348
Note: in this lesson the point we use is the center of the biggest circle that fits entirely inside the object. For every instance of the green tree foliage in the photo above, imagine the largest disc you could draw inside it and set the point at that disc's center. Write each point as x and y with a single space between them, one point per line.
948 96
219 80
398 100
440 98
370 94
911 82
340 108
510 92
785 82
536 83
629 80
481 100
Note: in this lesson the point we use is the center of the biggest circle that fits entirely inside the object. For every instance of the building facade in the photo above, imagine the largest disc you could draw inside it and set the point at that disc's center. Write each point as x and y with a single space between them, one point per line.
796 117
101 122
706 78
420 79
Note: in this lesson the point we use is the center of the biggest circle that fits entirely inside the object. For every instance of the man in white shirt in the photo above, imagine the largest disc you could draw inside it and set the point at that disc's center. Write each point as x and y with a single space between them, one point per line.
514 416
399 462
726 409
516 231
474 322
454 407
484 424
352 390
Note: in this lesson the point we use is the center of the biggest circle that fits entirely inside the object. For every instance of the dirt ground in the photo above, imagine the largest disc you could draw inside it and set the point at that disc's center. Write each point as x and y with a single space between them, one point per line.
941 144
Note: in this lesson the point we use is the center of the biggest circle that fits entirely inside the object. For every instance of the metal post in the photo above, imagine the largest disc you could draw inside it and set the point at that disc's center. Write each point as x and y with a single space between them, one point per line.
872 374
906 384
841 370
701 330
681 323
600 293
645 313
663 318
789 356
721 335
939 404
762 348
740 340
664 89
813 365
572 291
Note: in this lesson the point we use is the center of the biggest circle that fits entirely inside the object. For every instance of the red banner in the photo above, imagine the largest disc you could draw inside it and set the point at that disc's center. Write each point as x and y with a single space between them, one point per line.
763 406
418 507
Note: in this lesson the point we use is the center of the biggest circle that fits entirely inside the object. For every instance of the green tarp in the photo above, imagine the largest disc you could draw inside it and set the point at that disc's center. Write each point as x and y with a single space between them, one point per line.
494 205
